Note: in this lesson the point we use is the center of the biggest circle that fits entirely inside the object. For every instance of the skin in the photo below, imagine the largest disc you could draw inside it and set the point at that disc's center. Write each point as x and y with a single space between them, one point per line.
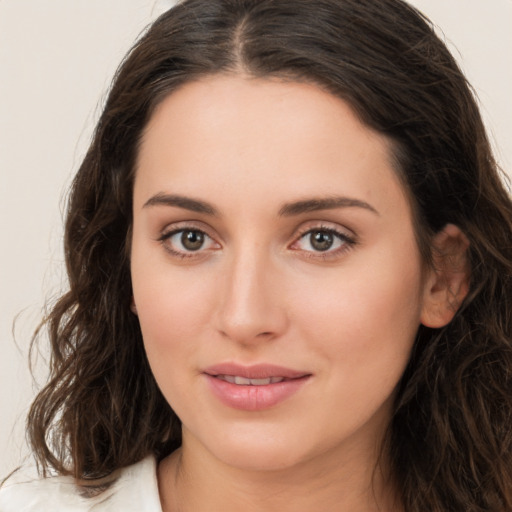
258 291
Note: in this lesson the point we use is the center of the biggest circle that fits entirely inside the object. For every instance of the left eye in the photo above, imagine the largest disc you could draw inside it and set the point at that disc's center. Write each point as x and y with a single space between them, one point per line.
188 240
321 240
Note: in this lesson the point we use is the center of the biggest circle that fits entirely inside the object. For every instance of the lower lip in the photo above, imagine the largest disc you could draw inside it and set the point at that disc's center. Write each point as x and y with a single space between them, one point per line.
254 398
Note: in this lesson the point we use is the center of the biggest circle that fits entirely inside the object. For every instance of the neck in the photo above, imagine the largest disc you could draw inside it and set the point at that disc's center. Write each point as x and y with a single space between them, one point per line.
191 479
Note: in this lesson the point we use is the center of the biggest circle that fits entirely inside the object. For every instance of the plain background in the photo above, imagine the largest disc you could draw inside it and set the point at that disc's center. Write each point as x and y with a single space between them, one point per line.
56 60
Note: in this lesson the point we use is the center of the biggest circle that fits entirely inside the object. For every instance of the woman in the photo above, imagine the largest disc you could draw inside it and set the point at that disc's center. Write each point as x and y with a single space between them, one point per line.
289 259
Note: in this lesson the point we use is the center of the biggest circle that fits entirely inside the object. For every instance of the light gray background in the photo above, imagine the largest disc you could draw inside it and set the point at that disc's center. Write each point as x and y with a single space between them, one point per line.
56 61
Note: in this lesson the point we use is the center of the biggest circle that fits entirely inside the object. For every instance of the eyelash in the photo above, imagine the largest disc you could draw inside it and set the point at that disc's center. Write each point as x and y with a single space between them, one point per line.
347 242
167 235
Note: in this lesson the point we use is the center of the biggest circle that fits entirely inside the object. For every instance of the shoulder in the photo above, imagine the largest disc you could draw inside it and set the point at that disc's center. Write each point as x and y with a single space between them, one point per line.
134 489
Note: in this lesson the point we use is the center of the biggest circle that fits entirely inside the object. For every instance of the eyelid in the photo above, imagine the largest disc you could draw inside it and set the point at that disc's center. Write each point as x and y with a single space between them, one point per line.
320 225
177 227
184 225
347 236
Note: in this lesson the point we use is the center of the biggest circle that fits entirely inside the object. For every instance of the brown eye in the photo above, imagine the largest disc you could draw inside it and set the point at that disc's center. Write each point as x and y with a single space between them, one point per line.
192 240
188 243
321 240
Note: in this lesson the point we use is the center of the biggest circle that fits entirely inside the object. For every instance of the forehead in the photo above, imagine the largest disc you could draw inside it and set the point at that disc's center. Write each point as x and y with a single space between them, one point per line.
261 138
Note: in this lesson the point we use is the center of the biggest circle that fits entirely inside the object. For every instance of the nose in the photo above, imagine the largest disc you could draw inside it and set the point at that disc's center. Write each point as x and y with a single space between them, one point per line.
251 308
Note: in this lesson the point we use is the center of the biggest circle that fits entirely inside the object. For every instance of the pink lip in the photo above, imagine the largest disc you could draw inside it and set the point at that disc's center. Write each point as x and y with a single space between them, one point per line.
249 397
257 371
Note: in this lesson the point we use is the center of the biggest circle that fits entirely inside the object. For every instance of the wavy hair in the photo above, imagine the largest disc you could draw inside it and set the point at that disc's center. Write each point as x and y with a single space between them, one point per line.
450 440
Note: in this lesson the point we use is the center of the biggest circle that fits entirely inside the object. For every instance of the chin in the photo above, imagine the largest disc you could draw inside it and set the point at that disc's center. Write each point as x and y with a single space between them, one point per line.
260 458
259 449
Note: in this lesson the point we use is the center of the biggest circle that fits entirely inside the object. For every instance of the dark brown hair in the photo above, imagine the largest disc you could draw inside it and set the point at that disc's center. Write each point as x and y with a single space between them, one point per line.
450 440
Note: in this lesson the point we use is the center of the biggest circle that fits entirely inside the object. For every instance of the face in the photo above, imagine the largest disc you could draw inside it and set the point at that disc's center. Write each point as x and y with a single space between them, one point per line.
275 271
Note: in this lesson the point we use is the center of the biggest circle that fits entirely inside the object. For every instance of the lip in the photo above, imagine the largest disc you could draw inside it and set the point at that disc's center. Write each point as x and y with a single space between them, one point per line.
256 371
251 397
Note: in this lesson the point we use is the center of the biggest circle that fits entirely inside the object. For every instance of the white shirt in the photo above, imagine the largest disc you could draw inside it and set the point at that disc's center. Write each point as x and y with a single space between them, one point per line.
136 490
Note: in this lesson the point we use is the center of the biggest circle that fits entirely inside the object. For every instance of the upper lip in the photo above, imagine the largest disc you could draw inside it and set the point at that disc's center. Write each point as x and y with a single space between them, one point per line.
256 371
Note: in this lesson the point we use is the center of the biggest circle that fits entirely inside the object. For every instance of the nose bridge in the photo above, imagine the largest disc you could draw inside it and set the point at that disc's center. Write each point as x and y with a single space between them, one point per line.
251 308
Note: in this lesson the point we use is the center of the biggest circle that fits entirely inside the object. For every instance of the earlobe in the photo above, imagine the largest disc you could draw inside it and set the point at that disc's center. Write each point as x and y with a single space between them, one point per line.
447 283
133 307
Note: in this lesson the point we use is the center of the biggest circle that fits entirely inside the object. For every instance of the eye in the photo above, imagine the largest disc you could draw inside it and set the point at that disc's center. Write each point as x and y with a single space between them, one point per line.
191 240
323 240
185 242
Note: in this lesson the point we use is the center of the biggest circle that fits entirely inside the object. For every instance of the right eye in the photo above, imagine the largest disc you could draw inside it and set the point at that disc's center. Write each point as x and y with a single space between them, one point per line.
185 242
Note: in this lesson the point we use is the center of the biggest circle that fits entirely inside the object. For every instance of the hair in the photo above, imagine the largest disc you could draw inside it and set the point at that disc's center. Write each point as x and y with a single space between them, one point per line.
450 438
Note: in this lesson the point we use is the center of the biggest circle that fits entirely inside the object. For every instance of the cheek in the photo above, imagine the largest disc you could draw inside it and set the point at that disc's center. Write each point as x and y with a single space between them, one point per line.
172 303
171 310
366 314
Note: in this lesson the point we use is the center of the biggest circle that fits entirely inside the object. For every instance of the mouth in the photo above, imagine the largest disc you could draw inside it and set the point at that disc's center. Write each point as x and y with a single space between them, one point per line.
254 388
254 375
243 381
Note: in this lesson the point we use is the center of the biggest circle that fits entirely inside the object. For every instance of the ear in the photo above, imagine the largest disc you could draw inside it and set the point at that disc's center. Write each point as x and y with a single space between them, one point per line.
447 283
133 307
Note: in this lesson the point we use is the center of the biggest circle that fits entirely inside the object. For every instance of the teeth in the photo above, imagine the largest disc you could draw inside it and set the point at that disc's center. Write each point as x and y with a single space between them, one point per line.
260 382
243 381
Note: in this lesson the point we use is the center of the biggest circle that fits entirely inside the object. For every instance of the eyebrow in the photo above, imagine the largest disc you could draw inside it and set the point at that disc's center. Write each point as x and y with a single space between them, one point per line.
287 210
187 203
327 203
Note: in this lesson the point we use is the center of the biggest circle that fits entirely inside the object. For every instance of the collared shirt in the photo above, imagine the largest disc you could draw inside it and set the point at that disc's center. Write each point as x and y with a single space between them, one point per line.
134 490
